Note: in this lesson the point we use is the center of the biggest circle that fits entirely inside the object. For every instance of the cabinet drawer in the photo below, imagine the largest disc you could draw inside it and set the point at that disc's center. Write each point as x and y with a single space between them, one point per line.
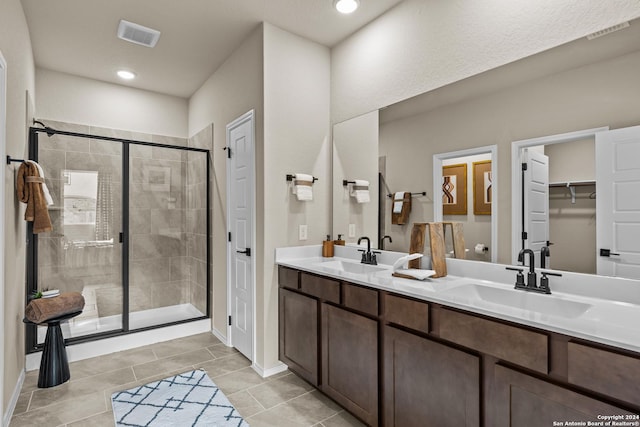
359 298
288 278
405 312
605 372
510 343
320 287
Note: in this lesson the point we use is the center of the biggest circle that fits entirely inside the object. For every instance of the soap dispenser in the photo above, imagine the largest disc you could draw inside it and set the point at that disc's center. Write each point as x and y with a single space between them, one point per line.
327 247
339 241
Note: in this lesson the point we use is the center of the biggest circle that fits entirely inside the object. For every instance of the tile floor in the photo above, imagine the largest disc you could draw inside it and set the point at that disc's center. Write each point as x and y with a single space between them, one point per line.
282 400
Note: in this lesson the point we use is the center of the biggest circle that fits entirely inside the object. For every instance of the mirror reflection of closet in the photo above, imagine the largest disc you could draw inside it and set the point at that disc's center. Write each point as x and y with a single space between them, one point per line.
572 206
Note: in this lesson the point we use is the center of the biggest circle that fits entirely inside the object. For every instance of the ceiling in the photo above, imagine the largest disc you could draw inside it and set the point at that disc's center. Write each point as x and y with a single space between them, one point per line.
79 36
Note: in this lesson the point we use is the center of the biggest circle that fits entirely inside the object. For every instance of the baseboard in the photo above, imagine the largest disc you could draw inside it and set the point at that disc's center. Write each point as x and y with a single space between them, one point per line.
14 400
216 333
264 373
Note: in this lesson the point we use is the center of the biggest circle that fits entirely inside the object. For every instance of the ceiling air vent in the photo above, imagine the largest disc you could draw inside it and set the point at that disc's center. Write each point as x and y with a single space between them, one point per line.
138 34
607 31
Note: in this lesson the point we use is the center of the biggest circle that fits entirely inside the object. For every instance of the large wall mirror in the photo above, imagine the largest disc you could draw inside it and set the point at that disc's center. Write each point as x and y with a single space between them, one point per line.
584 84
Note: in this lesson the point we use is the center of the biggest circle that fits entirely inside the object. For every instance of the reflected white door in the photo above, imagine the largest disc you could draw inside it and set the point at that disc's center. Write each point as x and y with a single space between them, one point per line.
618 202
240 223
536 209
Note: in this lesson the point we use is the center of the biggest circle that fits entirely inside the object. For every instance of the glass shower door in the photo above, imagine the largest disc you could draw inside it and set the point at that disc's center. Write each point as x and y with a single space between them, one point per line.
168 251
83 253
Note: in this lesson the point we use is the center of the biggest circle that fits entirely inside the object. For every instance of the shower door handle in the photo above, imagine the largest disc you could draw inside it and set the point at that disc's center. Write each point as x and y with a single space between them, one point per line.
247 252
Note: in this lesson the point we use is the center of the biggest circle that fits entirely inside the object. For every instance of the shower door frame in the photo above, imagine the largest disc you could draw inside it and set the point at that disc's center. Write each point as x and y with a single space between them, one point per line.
31 339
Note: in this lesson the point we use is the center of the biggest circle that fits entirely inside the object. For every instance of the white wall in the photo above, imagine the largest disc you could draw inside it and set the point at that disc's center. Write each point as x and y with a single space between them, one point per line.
235 88
296 139
355 156
67 98
421 45
15 46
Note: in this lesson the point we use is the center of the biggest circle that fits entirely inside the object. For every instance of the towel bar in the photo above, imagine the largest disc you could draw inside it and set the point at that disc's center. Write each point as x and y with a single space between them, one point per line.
292 177
422 193
9 160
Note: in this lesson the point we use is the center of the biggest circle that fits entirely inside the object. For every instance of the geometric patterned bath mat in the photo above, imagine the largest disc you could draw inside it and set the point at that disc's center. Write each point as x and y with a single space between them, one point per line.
189 399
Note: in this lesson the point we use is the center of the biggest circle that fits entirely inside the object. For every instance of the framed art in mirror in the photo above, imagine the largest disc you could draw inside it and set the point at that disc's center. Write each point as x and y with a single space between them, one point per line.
454 189
482 188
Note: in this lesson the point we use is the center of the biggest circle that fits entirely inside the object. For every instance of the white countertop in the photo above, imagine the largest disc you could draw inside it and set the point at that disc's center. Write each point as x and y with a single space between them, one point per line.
603 310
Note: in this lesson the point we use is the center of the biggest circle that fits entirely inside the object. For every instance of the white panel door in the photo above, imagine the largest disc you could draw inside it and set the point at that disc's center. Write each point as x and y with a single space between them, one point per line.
618 202
240 199
536 208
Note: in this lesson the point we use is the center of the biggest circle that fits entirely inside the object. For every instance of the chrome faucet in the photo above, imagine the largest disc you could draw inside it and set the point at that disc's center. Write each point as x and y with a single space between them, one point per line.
368 257
382 241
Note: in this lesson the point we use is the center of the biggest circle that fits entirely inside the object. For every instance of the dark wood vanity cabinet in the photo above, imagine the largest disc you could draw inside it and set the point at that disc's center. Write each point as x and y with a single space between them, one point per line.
397 361
523 401
350 361
428 384
298 330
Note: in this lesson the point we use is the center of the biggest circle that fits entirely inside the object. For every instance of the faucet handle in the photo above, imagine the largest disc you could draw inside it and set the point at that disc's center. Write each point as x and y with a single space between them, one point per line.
519 276
374 260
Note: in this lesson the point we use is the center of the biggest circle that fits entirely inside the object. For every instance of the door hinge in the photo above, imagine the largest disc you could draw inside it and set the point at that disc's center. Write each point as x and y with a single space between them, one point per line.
229 320
524 235
120 237
229 236
524 166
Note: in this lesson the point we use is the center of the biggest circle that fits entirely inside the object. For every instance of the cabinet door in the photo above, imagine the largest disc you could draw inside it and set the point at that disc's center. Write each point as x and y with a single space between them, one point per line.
525 401
350 361
298 330
428 384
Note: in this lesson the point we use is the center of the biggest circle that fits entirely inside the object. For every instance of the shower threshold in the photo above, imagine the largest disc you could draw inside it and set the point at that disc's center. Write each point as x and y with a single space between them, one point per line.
137 320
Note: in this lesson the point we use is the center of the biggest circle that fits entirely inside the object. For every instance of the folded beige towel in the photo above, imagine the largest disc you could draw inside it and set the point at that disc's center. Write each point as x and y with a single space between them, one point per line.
40 310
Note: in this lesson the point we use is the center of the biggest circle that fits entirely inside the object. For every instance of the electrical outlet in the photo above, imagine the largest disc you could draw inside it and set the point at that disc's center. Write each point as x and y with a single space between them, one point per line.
352 230
302 232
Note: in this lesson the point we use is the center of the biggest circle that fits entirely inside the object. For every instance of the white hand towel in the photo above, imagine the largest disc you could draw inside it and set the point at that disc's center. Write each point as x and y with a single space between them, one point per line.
416 273
302 186
45 190
403 262
397 202
362 196
303 177
304 192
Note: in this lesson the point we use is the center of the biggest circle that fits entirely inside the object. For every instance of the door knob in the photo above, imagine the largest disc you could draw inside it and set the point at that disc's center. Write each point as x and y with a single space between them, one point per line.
607 253
247 252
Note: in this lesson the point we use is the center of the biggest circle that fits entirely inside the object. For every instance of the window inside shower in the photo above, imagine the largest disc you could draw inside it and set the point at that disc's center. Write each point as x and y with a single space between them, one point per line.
130 233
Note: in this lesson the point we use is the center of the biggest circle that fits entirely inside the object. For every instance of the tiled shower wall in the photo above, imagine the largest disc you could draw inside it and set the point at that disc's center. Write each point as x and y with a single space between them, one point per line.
167 221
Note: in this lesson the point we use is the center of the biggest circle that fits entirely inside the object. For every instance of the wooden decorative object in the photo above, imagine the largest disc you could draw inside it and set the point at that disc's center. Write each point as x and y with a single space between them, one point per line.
458 239
436 243
454 189
482 188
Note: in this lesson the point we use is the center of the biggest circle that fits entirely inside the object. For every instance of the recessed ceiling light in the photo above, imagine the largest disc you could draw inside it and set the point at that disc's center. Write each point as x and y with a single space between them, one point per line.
346 6
126 75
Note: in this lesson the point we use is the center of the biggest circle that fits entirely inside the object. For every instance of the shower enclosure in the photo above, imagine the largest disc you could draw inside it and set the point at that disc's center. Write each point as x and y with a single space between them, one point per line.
131 232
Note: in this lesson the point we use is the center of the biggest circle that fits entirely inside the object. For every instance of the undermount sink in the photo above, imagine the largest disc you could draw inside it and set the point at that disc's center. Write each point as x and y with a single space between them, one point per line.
545 304
351 267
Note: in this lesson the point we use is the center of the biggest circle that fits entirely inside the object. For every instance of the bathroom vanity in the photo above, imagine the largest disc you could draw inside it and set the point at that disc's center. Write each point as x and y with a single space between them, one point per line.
447 352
